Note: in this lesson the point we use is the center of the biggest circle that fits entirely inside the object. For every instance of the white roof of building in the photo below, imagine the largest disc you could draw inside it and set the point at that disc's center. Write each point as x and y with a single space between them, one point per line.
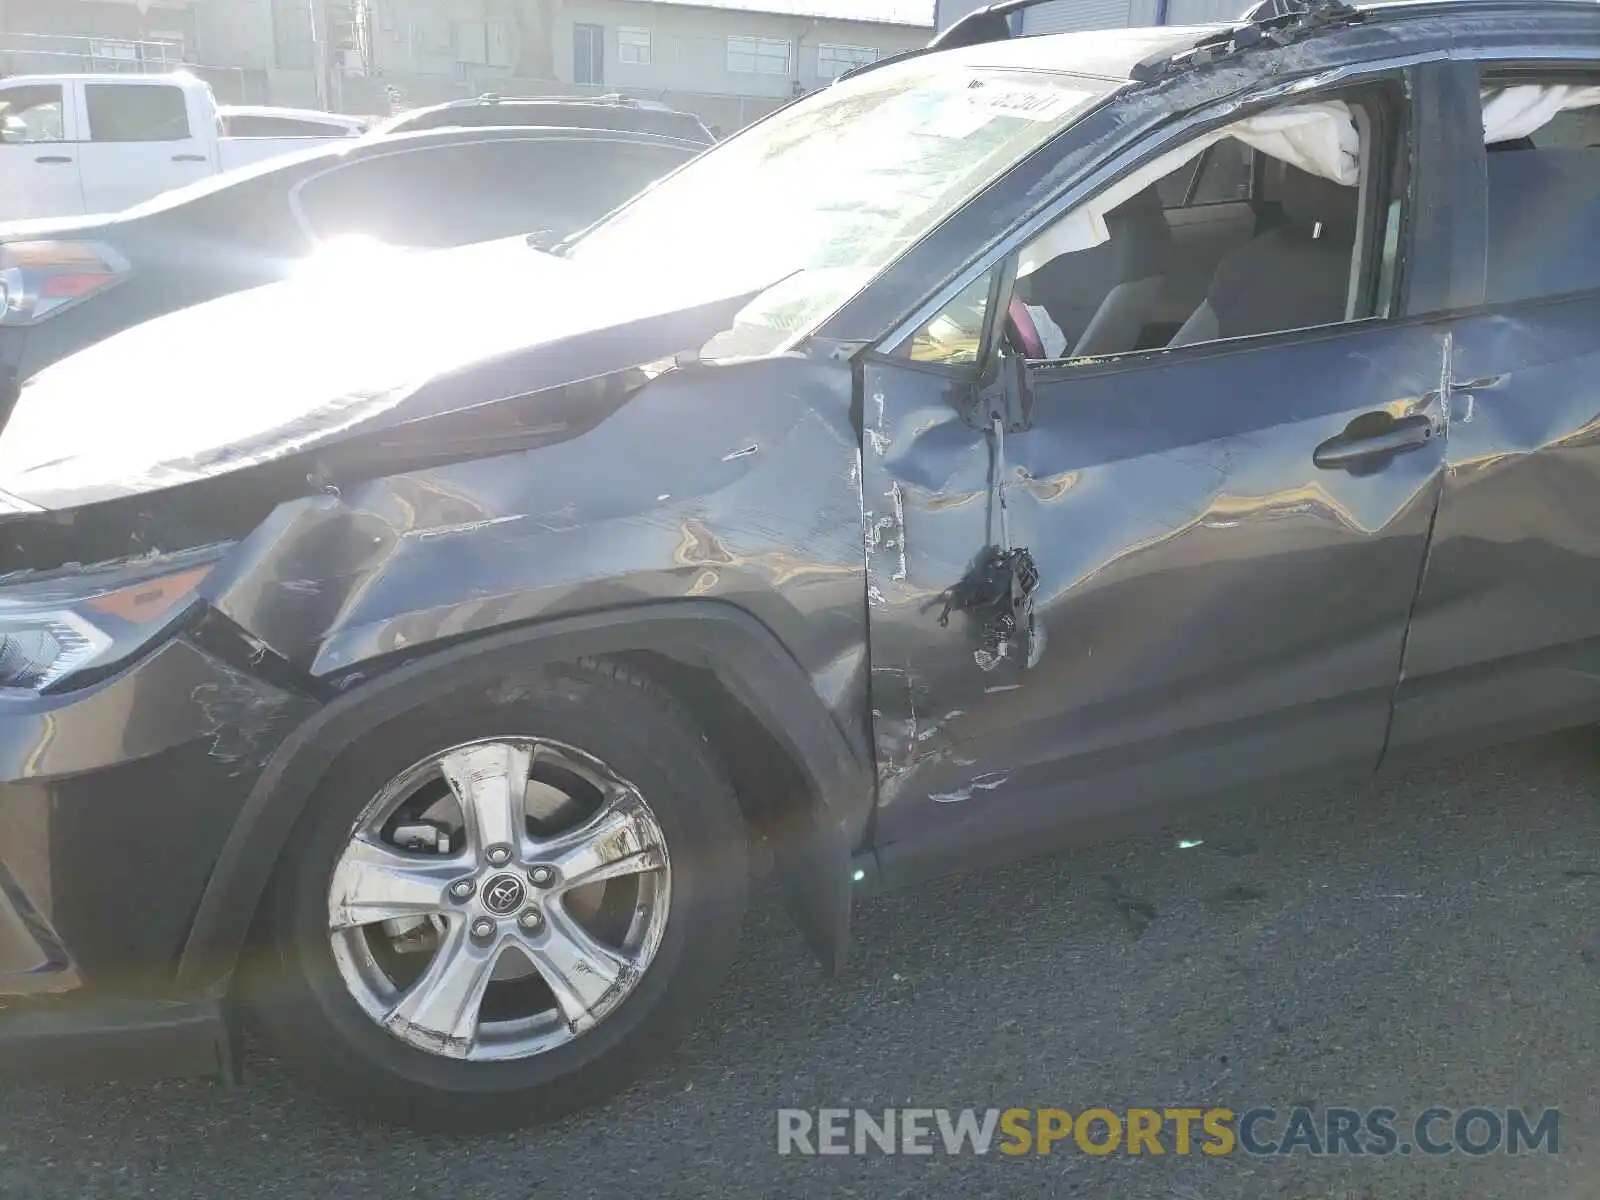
917 13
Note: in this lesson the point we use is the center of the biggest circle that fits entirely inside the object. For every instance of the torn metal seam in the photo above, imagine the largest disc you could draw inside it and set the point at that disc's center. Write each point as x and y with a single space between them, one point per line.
463 527
1446 379
911 710
898 501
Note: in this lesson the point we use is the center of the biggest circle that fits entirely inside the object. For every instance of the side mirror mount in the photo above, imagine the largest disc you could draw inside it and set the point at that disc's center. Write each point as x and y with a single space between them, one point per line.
1005 394
1002 388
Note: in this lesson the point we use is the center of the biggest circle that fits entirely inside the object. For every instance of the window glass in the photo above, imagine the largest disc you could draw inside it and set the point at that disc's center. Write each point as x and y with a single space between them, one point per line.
1174 188
1578 129
633 46
136 112
760 56
834 61
955 335
1544 208
454 195
472 42
589 54
813 202
1118 275
31 113
279 127
1224 173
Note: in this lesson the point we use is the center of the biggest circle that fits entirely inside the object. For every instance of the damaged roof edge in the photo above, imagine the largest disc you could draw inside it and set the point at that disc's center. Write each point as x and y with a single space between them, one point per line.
1268 24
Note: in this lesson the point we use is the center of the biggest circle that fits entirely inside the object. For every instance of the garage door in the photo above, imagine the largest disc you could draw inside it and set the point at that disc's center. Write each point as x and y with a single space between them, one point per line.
1205 12
1063 16
947 12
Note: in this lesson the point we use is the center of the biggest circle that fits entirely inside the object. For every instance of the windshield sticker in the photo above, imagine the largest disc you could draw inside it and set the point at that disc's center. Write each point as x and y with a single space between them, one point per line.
1030 102
955 121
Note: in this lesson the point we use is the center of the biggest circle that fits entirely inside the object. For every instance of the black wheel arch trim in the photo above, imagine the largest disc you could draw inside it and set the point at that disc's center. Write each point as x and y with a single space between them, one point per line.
813 864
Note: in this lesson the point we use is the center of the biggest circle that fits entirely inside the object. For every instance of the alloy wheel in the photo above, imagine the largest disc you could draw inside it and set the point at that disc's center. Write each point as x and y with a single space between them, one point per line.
499 899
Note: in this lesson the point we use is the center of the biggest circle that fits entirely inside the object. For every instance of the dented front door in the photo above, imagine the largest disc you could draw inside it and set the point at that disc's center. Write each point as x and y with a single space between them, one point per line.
1213 607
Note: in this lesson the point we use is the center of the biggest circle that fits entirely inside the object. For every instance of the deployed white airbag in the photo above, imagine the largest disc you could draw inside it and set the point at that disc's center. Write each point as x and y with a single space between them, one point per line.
1518 112
1320 138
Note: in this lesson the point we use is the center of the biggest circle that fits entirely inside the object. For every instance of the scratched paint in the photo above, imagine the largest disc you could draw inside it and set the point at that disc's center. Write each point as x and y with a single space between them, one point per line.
981 783
464 527
898 501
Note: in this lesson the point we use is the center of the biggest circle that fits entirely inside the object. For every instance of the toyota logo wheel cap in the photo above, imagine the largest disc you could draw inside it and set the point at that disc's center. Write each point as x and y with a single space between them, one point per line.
503 895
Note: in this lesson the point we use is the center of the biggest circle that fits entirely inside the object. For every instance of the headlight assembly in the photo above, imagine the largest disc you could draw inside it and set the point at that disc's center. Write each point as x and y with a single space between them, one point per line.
52 631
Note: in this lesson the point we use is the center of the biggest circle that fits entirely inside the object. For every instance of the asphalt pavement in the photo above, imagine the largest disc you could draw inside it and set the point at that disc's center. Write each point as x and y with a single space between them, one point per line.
1429 939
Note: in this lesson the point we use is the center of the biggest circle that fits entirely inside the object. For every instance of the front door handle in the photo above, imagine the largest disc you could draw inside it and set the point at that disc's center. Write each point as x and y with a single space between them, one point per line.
188 158
1372 436
53 159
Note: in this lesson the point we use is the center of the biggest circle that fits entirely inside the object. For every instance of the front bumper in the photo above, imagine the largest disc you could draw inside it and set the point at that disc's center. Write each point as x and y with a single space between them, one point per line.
114 803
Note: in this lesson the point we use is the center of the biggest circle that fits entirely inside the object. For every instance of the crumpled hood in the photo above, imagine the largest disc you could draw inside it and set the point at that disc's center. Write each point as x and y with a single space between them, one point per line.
357 344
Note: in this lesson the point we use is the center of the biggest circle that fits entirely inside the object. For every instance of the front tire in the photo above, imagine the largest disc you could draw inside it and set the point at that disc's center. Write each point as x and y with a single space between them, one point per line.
505 903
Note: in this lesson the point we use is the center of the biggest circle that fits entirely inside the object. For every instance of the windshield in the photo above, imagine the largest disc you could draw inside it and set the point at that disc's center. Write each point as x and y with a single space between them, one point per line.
825 194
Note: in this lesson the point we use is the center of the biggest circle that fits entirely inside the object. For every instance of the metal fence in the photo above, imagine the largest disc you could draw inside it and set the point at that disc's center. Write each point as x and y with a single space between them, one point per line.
55 54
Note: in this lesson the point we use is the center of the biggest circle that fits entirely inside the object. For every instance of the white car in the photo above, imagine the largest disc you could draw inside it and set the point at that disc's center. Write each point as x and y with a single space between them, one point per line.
77 144
268 121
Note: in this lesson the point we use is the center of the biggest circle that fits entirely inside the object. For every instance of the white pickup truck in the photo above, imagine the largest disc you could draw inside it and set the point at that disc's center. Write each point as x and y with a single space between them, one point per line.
76 144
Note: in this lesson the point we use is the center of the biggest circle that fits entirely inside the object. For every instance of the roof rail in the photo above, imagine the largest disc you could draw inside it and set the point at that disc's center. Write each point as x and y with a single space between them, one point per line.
989 24
1268 23
1265 10
863 68
499 98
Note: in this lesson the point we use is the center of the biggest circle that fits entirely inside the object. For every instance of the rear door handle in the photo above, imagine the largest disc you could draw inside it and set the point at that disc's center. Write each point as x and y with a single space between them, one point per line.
188 158
53 159
1373 436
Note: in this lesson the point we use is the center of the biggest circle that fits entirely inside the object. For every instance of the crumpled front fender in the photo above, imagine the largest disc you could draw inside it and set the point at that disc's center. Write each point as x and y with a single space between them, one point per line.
812 859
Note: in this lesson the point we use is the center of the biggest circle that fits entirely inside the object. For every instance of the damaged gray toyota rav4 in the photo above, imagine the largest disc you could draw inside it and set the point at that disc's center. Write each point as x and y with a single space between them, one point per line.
1008 438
